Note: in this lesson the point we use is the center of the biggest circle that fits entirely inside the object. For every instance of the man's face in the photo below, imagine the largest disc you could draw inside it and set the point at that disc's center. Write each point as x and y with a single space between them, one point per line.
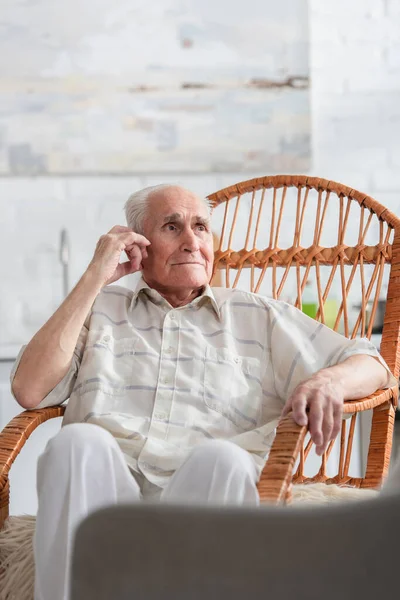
181 253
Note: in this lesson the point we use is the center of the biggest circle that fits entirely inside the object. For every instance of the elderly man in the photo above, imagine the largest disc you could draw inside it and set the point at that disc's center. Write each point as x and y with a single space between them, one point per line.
175 388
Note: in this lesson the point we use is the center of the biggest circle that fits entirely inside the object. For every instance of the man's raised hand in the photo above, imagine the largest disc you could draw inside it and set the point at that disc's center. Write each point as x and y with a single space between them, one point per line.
105 262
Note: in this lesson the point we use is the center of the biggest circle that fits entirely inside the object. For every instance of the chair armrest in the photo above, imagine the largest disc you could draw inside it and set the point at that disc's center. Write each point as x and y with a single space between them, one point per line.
371 401
276 477
16 433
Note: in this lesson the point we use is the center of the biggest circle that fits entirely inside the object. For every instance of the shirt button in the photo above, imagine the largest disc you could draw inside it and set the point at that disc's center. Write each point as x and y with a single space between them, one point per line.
169 350
106 338
166 381
173 317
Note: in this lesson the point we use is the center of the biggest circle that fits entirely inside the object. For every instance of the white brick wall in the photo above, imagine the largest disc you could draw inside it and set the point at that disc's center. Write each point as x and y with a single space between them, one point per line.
355 72
355 108
355 94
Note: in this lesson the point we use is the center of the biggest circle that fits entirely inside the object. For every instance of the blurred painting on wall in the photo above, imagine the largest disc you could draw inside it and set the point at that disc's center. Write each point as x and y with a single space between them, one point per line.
168 86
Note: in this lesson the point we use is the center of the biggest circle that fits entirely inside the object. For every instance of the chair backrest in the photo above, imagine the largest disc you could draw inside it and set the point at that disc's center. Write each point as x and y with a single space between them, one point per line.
289 236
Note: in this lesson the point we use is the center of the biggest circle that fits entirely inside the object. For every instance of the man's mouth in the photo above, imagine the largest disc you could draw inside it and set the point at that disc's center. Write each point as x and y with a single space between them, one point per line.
188 263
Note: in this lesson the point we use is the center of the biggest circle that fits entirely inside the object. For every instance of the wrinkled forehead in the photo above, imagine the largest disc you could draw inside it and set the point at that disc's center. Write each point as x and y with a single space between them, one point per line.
181 203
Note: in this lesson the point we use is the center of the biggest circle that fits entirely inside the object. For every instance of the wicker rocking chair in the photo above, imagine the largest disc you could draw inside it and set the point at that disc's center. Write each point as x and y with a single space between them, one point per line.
275 243
361 252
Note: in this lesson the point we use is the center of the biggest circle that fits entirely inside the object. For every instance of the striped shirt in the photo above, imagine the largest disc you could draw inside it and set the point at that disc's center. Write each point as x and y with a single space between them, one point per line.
164 379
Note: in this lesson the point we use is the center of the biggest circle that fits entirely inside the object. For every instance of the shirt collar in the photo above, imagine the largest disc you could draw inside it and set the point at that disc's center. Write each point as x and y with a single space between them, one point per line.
143 288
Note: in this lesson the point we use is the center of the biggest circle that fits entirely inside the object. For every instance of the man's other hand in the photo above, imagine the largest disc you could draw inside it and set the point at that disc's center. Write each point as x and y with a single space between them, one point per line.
318 402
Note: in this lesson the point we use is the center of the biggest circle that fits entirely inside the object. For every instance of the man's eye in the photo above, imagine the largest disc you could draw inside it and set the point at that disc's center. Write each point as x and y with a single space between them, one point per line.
201 227
171 227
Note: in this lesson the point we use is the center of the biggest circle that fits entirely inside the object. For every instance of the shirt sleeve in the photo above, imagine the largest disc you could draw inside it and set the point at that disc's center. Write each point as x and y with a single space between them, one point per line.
300 346
63 389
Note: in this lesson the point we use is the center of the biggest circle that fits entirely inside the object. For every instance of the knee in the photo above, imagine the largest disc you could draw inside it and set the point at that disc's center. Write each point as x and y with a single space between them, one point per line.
79 436
222 452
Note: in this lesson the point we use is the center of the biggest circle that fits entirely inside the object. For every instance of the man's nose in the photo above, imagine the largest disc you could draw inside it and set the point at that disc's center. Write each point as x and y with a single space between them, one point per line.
190 241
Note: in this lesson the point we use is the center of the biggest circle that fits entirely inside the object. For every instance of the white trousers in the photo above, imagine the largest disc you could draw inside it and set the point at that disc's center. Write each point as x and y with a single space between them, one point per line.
82 469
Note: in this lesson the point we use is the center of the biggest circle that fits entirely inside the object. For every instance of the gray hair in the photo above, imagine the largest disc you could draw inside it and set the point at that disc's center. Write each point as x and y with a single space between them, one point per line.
136 205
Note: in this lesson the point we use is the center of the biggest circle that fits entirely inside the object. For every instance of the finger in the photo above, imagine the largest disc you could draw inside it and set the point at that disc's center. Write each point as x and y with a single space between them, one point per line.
135 256
315 418
136 261
299 404
125 268
129 237
133 250
136 264
119 229
287 408
337 420
136 238
142 249
327 426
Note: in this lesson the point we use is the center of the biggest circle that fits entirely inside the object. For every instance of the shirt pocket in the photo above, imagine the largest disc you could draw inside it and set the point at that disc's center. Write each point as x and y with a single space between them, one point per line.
232 386
108 364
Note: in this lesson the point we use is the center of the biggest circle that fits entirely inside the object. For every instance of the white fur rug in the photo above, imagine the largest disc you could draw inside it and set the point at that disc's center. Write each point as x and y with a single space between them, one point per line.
320 493
16 553
16 558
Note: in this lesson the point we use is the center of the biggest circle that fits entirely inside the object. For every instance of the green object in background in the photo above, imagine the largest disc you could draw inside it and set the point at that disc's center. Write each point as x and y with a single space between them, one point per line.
310 309
310 305
331 308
